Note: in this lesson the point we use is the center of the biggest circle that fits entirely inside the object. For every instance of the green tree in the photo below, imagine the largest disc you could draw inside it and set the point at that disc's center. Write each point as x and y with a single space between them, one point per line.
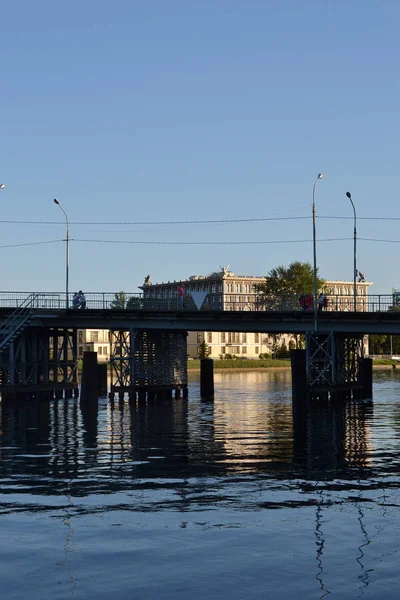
120 300
134 303
282 351
384 344
275 345
294 280
204 350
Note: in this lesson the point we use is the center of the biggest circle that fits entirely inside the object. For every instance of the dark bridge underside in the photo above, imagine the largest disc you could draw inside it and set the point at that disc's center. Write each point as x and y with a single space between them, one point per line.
243 321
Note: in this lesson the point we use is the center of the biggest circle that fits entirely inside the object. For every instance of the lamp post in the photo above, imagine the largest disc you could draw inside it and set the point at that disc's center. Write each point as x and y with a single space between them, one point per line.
67 255
320 176
355 251
2 186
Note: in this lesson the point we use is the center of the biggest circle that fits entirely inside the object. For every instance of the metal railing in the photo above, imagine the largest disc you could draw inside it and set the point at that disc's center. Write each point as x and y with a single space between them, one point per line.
213 302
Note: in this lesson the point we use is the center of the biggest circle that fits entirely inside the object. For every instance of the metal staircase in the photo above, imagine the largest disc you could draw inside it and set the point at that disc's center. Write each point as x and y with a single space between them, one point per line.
17 321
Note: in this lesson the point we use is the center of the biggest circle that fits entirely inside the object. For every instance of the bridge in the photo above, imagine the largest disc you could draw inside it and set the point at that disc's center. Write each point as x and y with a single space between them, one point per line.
38 337
377 314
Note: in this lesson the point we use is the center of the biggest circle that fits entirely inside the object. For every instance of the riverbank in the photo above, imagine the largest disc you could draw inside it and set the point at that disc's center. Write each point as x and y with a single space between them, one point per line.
265 363
271 363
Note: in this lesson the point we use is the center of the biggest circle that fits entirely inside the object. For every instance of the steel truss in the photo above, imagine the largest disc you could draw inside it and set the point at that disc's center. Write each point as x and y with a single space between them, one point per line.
148 358
334 360
40 357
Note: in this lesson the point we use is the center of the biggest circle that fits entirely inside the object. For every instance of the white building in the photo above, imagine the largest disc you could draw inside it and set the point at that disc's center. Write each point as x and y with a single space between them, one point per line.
229 291
94 340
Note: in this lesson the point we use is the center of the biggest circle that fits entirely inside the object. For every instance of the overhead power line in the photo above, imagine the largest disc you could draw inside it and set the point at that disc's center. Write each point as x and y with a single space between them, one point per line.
31 243
199 222
202 243
379 240
192 222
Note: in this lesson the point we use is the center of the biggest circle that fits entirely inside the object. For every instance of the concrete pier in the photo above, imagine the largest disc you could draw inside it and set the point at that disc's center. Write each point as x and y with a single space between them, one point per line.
89 385
102 369
366 374
207 377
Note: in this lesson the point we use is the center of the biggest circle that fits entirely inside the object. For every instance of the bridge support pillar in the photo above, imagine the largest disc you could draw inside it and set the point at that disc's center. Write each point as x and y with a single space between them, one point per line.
102 369
366 369
299 382
335 368
148 362
89 386
40 360
207 377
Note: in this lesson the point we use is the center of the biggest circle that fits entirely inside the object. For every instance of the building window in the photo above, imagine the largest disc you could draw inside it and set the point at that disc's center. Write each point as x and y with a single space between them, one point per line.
223 337
244 338
94 336
105 350
80 337
256 338
235 350
257 350
223 350
198 337
80 351
244 350
100 350
209 337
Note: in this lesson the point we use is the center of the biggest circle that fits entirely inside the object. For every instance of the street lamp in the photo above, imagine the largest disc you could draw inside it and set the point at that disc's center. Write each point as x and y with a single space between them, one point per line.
2 186
67 255
355 251
320 176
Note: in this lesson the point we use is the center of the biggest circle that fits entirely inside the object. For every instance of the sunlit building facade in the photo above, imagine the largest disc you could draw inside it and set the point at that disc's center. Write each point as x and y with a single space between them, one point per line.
94 340
228 291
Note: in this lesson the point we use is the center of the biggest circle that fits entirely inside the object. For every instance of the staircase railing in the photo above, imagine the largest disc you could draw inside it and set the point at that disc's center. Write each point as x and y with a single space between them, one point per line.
15 322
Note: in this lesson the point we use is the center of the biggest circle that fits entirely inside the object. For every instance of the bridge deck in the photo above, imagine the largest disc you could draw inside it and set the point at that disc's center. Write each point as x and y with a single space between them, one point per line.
243 321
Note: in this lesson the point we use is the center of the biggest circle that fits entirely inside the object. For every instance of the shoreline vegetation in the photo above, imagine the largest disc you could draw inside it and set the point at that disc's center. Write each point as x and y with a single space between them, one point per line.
237 363
273 363
265 363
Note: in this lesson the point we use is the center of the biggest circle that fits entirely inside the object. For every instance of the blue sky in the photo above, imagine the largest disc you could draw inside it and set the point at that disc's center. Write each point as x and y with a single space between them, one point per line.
132 111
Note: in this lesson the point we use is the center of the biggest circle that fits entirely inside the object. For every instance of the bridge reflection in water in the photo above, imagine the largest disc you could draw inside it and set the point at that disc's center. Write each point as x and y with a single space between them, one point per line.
229 461
110 444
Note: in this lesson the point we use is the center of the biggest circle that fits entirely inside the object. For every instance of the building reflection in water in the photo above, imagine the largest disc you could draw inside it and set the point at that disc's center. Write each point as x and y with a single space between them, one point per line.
238 430
186 454
235 433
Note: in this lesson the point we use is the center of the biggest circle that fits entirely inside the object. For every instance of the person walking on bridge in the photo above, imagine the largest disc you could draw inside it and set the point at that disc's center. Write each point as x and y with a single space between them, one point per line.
322 302
76 301
181 294
82 299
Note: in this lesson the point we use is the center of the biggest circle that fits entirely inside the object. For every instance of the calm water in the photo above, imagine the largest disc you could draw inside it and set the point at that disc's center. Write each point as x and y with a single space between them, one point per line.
196 499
